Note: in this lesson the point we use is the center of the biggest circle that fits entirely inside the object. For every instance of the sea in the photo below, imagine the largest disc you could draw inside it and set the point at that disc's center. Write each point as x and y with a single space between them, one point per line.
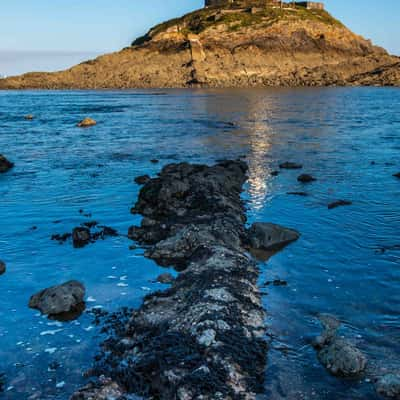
346 263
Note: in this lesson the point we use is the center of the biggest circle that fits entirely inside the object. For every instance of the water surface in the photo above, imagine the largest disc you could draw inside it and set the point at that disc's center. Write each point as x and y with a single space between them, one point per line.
349 139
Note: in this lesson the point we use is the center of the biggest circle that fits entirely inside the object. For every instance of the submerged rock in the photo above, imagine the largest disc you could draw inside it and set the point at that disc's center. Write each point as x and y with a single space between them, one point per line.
142 180
306 178
267 236
389 386
61 299
87 122
2 267
339 203
5 165
81 237
338 355
303 194
290 165
397 175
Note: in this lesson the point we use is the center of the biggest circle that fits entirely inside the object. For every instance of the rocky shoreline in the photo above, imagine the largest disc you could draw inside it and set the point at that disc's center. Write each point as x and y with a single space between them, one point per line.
183 343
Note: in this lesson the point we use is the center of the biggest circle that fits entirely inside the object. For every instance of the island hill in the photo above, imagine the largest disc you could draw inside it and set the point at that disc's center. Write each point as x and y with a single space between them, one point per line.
234 43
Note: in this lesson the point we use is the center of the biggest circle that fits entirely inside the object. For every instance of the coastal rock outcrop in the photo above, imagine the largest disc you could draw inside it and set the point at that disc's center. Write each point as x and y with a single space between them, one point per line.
58 300
227 46
5 165
182 342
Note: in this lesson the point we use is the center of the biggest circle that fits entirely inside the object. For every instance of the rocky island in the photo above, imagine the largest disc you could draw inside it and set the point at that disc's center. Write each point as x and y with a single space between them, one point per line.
239 43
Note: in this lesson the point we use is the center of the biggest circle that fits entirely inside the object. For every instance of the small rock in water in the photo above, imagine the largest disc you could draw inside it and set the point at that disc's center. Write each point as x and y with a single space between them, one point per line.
56 300
306 178
339 356
2 267
267 236
339 203
304 194
29 117
165 278
154 161
81 237
290 165
85 123
142 180
389 386
397 175
274 173
5 165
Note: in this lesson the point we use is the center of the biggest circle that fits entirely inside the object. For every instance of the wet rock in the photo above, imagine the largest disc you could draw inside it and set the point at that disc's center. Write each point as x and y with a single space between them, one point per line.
290 165
389 386
339 203
81 237
5 165
154 161
165 278
2 267
303 194
183 341
86 123
338 355
276 282
397 175
306 178
29 117
274 173
105 389
61 238
267 236
58 300
142 180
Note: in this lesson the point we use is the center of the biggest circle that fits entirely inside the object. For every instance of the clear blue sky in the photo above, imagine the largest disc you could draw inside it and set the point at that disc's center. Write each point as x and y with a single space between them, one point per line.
105 25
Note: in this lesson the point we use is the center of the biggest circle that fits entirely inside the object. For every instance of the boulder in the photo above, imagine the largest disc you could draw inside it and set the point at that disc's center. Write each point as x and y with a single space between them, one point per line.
342 358
339 203
389 386
5 165
267 236
85 123
290 165
2 267
306 178
142 180
81 237
56 300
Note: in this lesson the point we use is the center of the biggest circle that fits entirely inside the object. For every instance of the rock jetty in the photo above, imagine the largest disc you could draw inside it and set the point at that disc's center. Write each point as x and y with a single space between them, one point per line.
183 342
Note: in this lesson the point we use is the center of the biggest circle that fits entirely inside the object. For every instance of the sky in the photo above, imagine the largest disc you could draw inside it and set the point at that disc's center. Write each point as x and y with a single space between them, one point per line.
55 34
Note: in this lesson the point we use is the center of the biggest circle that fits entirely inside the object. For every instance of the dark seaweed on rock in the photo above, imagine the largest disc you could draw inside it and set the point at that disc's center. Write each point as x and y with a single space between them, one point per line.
203 337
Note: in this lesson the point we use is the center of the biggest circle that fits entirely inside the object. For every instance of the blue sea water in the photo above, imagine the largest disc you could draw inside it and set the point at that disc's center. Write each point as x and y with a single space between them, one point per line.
348 138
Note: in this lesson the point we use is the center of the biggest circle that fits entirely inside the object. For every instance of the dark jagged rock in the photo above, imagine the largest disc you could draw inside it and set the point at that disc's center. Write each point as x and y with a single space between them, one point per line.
389 386
267 236
306 178
143 179
81 237
339 203
61 238
338 355
274 173
397 175
165 278
290 165
64 301
5 165
2 267
183 342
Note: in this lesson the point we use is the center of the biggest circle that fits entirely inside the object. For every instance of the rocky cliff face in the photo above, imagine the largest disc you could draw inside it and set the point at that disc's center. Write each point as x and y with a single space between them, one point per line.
218 47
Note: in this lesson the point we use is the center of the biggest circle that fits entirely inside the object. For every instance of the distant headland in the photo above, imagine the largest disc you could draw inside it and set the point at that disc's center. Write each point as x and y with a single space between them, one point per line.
234 43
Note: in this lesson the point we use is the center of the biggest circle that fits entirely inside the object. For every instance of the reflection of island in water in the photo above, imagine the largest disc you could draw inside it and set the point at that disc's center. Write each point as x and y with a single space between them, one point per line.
254 120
